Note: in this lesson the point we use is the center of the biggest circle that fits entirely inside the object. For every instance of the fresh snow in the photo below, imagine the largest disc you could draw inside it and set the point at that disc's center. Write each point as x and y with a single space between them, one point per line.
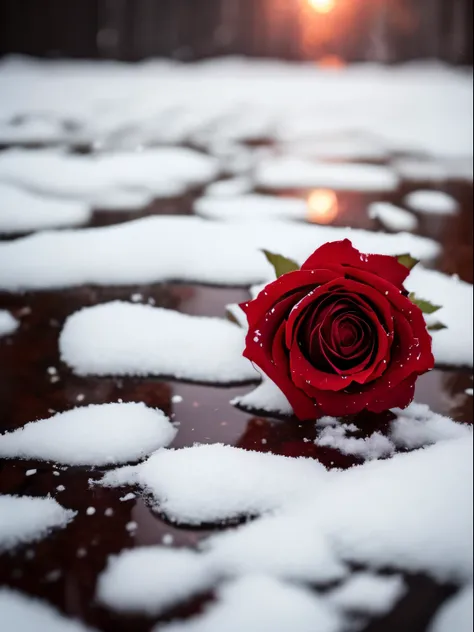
116 105
393 217
99 434
365 514
365 593
456 614
434 202
257 602
279 546
162 172
155 249
151 579
229 188
251 207
146 340
292 173
22 211
214 492
25 519
8 324
434 170
22 613
374 446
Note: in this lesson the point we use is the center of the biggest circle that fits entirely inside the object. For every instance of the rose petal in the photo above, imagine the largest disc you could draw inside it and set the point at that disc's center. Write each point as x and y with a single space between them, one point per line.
336 254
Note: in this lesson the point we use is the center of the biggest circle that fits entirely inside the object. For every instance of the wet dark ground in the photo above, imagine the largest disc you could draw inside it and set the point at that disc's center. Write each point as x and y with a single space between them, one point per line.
64 567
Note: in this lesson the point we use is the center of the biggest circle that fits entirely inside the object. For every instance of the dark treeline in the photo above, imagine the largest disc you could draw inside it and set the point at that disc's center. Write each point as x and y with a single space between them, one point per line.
131 30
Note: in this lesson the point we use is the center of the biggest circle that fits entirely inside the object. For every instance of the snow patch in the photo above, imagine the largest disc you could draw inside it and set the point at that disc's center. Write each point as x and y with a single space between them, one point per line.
432 202
151 579
101 434
251 207
8 324
393 217
26 519
146 340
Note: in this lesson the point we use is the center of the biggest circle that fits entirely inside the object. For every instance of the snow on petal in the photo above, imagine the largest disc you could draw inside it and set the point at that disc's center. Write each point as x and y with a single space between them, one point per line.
99 434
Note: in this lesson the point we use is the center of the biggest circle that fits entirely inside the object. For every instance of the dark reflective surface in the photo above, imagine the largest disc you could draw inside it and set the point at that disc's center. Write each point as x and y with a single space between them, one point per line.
64 567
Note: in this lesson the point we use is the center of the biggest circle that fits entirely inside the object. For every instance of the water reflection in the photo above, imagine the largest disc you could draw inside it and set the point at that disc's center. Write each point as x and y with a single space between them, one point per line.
323 206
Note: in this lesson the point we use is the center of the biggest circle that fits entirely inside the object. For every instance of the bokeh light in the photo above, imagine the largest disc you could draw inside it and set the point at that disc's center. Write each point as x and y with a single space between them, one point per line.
323 206
322 6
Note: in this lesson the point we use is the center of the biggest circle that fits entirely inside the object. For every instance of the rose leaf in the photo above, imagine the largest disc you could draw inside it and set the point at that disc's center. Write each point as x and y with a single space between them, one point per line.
436 326
425 306
407 260
280 264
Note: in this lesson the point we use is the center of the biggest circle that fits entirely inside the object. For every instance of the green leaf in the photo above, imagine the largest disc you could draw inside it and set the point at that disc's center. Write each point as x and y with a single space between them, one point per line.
436 326
425 306
281 264
407 260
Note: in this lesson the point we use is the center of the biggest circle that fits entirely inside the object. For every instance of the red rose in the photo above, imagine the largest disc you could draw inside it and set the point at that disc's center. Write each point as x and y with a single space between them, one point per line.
340 335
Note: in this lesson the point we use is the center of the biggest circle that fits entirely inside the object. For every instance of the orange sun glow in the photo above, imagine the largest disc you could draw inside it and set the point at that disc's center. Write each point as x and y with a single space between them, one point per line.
322 206
322 6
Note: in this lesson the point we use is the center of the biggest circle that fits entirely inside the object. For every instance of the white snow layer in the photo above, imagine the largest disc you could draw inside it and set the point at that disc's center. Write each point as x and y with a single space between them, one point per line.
22 613
164 248
250 207
229 188
456 614
121 338
434 202
296 173
25 519
101 434
22 211
263 604
163 172
239 99
366 593
216 492
151 579
410 512
8 324
393 217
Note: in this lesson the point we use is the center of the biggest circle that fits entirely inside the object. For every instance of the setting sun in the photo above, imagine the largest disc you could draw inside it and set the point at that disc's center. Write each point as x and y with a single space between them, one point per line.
322 6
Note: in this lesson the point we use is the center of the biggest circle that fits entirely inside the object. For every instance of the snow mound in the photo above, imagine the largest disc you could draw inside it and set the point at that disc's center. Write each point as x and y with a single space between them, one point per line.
22 211
456 614
393 217
21 613
25 519
146 340
264 604
251 207
433 202
101 434
215 492
154 249
296 173
8 324
151 579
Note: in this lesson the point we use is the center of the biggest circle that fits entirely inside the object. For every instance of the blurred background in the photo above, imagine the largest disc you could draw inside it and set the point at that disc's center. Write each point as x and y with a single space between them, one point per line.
329 31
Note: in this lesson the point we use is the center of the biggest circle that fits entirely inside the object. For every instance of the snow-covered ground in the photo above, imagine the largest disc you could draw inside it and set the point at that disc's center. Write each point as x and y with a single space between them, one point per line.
162 129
